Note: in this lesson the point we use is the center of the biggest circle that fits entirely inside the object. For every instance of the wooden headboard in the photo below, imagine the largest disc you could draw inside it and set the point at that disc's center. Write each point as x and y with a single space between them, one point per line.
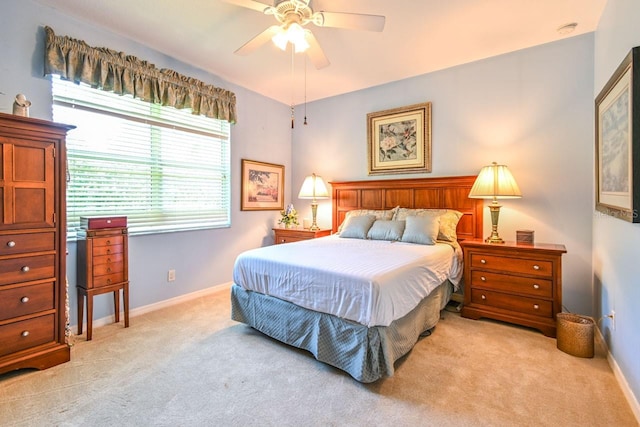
442 192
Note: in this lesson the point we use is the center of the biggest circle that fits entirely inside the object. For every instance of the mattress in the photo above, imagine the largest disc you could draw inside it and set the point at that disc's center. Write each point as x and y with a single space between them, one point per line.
371 282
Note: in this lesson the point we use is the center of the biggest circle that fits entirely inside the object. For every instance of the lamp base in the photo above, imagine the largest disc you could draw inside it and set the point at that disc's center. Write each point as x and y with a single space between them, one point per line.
494 239
494 208
314 213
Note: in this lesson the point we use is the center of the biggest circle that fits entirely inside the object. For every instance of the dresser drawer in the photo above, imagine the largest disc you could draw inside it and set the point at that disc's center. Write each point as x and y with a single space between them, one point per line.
116 258
108 279
289 239
23 269
108 241
530 266
536 307
26 242
25 300
102 269
107 250
533 286
26 333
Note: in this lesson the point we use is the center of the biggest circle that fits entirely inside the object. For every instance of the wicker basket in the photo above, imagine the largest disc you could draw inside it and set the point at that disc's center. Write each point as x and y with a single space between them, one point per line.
575 334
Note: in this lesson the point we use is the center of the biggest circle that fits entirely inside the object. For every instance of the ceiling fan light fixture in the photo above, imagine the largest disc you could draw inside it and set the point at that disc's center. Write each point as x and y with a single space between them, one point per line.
293 34
280 40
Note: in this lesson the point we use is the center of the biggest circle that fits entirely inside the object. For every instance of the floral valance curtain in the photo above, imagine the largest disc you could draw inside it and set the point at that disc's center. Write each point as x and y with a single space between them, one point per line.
109 70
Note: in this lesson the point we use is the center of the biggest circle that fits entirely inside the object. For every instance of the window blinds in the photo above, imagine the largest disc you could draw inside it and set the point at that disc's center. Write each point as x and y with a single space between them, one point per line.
163 168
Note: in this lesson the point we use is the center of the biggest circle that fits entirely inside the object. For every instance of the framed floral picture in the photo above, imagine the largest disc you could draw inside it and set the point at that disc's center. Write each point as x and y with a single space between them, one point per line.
618 142
262 186
399 140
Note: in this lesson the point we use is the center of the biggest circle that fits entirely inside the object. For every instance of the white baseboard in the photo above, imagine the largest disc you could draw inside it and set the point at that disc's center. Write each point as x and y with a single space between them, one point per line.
161 304
622 381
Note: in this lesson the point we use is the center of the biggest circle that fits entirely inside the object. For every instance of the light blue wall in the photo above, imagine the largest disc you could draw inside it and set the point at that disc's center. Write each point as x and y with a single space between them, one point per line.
616 243
531 110
201 258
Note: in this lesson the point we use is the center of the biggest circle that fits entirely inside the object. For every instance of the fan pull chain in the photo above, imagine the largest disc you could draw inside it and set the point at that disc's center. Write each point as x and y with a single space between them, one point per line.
292 75
305 91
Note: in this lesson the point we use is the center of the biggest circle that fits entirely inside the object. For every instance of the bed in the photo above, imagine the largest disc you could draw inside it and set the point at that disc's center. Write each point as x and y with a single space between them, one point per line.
357 312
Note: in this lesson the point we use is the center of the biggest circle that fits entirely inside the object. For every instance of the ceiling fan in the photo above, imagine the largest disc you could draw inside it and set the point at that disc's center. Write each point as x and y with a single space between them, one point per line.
292 16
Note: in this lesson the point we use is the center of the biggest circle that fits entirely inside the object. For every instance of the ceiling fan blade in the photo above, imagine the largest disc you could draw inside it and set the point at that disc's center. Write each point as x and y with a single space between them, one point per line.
352 21
315 53
258 40
250 4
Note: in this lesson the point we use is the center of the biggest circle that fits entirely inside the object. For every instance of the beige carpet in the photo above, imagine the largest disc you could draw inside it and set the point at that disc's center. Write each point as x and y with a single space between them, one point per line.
189 365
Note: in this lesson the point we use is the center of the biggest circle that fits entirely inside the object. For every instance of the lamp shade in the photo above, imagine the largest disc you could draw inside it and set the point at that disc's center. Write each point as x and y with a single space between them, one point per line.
313 187
495 182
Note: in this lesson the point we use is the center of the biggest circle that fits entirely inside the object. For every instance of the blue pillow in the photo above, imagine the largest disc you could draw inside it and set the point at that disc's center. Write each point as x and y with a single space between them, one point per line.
356 227
422 230
386 230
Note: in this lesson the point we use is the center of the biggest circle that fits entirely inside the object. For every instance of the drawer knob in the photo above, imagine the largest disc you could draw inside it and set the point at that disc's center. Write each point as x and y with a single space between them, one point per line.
483 261
483 297
282 241
108 281
108 242
108 251
536 306
536 267
484 279
536 286
25 333
25 269
108 270
11 243
24 299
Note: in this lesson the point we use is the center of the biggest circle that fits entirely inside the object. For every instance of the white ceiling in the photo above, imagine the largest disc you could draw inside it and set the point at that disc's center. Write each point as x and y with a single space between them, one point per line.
420 36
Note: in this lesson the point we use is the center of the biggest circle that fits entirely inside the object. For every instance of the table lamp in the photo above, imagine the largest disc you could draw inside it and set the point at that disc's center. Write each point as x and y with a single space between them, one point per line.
313 188
495 182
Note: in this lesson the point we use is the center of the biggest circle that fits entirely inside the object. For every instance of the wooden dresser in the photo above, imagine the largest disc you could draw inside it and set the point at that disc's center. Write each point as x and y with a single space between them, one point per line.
102 266
288 235
33 294
514 283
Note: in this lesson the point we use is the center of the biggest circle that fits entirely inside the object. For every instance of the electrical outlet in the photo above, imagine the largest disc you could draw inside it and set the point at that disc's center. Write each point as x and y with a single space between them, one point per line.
171 276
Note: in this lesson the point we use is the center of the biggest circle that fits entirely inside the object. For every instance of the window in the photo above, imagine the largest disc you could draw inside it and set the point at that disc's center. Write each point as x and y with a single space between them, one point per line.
163 168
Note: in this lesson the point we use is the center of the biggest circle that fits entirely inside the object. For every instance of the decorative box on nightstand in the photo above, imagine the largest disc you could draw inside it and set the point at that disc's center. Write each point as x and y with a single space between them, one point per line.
288 235
517 283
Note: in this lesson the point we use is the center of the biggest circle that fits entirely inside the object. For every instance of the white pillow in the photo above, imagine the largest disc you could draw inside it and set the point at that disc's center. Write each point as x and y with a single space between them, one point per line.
356 227
386 230
422 230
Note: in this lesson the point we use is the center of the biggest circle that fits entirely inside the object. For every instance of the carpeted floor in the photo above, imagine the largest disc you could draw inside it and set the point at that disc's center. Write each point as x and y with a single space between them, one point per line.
190 365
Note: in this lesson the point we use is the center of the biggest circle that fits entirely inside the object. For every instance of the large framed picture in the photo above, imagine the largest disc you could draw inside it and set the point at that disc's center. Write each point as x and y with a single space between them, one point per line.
618 142
399 140
262 186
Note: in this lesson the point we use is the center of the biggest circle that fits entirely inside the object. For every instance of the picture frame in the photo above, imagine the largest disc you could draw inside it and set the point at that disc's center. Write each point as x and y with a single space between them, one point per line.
399 140
262 186
617 142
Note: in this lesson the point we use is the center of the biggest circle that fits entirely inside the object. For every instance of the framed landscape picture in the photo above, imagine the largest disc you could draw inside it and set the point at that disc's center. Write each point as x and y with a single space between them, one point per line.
262 186
618 142
399 140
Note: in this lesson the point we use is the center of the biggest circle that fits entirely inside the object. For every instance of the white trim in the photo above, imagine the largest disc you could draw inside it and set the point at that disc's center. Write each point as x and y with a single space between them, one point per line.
622 381
161 304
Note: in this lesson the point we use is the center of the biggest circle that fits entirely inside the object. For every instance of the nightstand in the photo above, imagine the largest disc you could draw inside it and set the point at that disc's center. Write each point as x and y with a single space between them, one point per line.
288 235
515 283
